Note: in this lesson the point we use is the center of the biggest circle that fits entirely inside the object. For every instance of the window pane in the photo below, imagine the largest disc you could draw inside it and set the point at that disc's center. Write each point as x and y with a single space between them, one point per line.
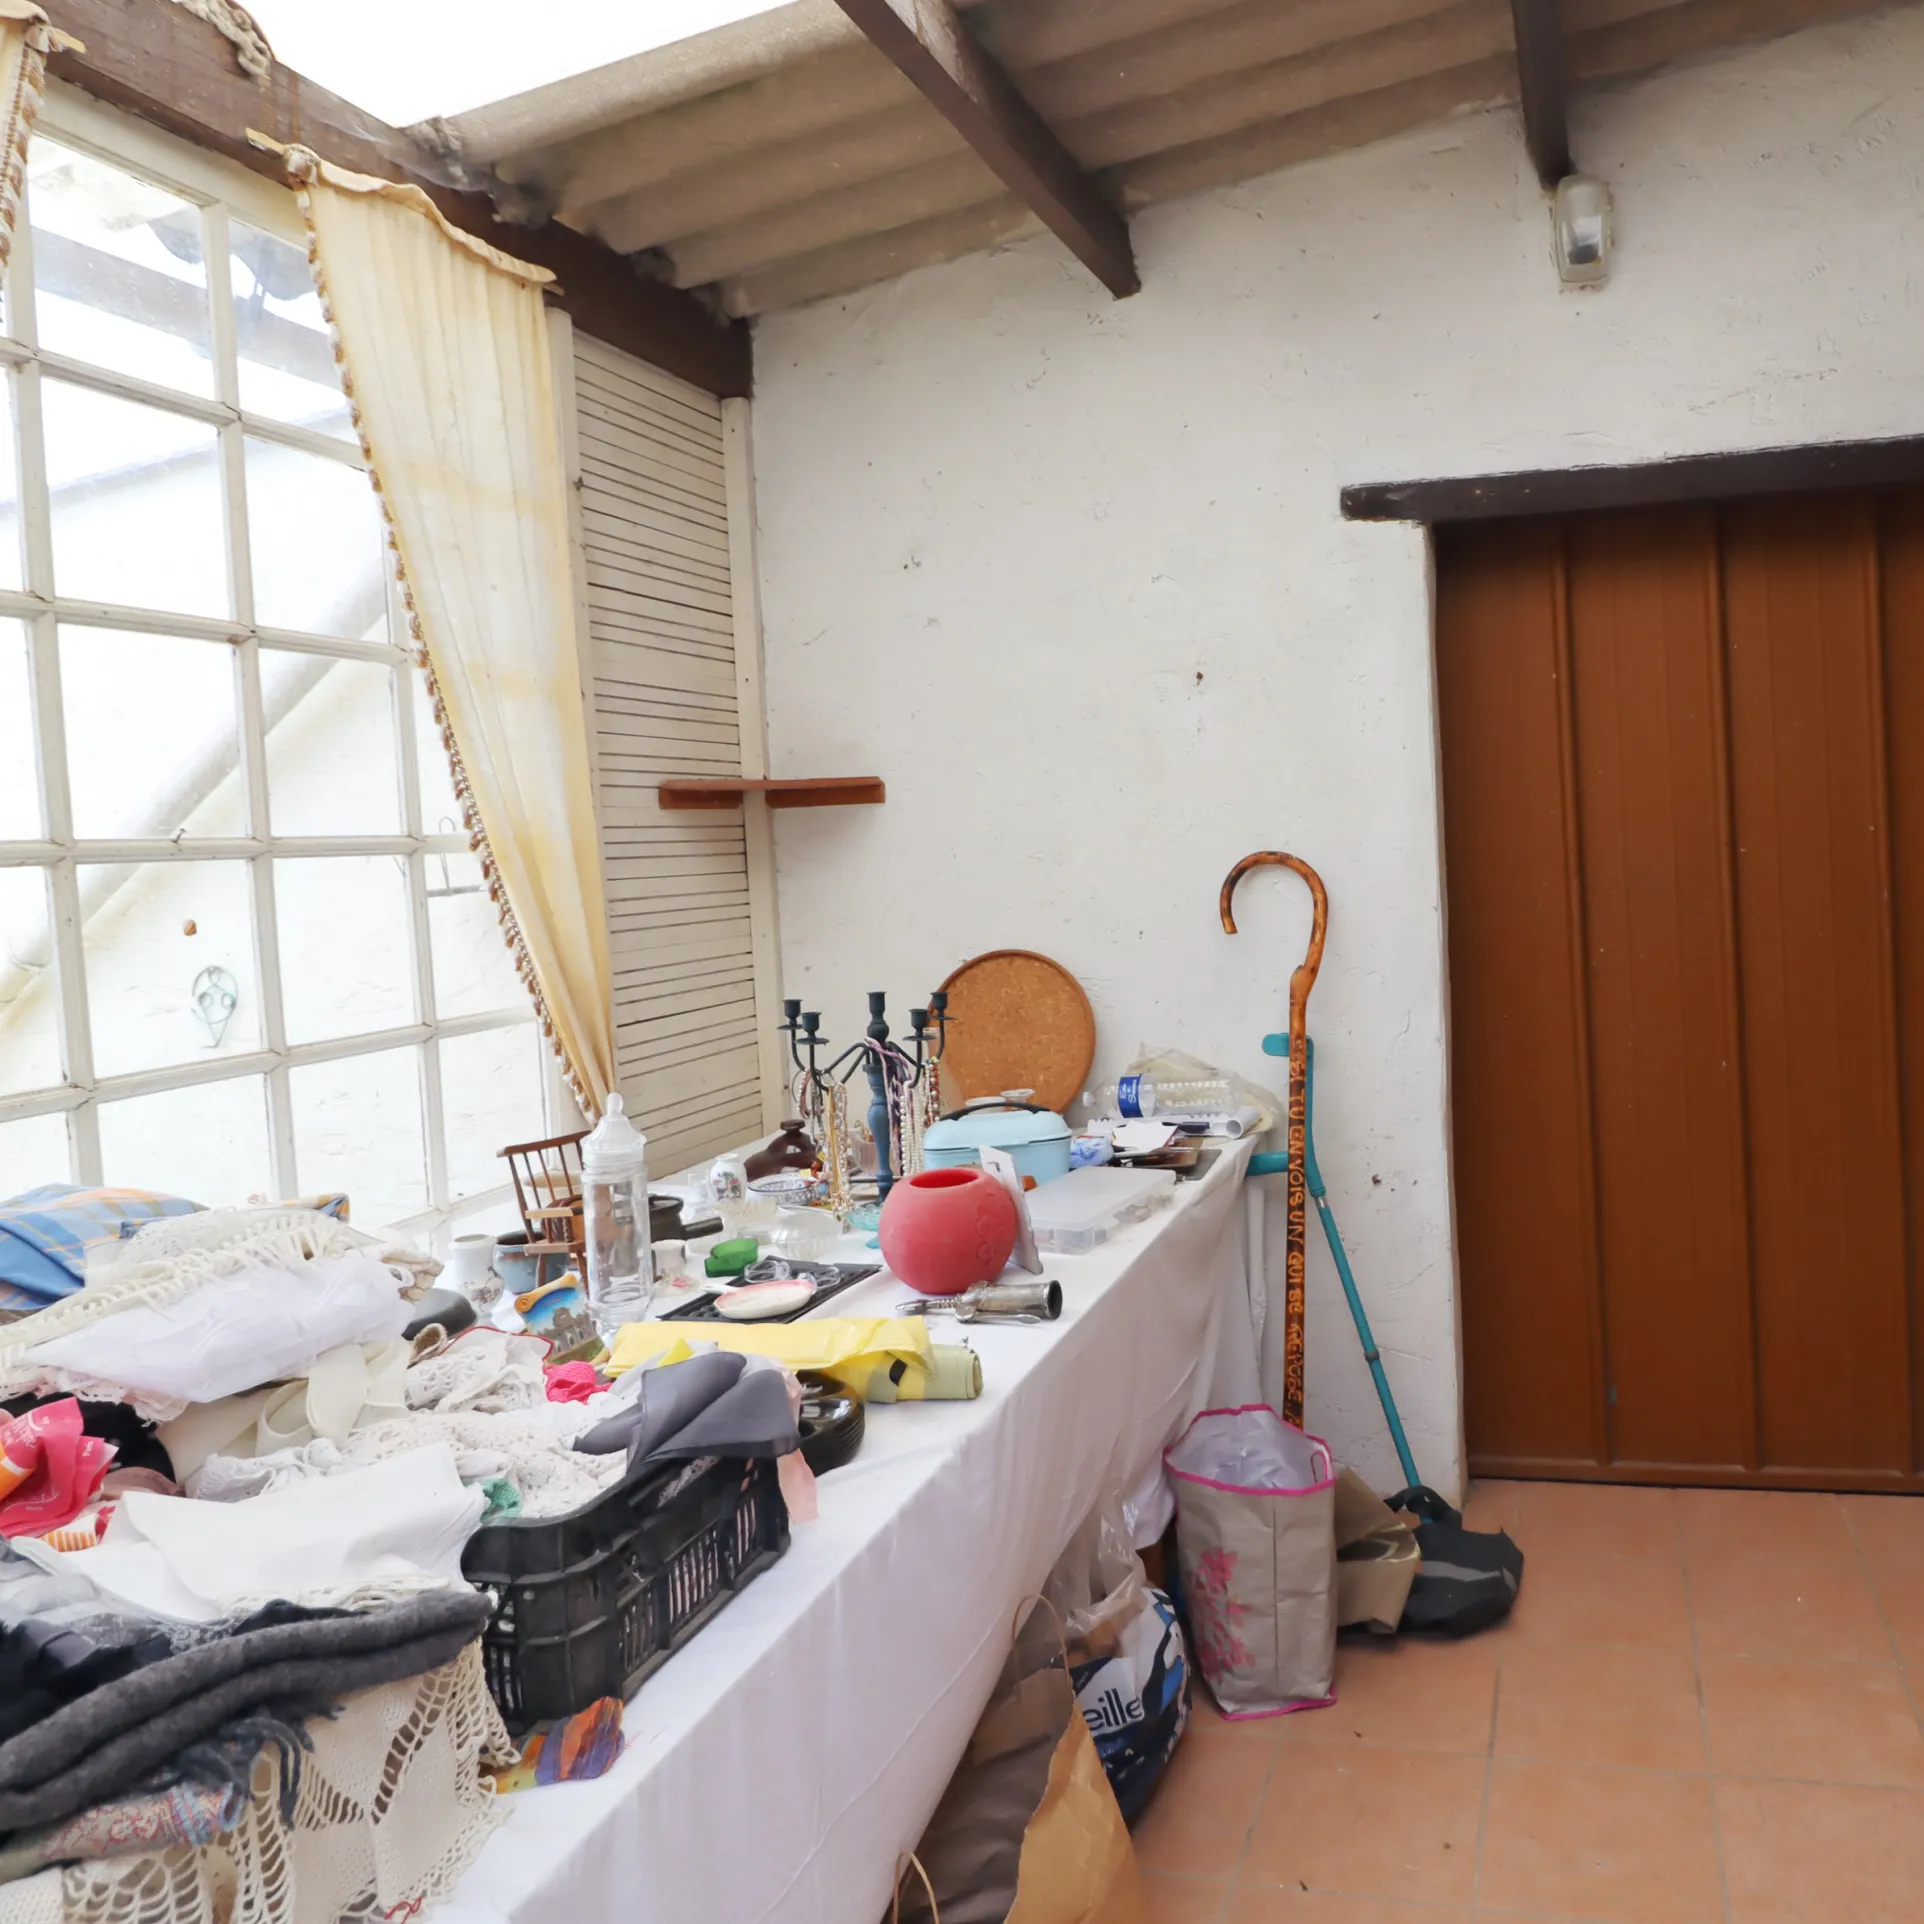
357 1128
320 563
490 1096
153 748
19 765
332 766
137 514
440 806
170 962
11 575
119 275
473 969
29 989
207 1142
32 1151
346 966
287 367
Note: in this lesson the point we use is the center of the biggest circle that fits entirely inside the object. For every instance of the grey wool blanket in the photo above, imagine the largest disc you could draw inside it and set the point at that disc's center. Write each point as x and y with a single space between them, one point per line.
106 1742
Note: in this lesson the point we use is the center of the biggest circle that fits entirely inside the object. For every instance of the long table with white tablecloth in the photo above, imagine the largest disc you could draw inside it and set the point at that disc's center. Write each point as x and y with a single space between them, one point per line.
776 1766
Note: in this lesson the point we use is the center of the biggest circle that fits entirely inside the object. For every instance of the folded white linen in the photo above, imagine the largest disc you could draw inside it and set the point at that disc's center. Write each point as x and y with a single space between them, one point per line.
390 1528
235 1332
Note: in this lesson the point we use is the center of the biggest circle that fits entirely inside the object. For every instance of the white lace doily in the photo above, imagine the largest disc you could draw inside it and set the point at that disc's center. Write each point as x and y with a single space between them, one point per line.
392 1810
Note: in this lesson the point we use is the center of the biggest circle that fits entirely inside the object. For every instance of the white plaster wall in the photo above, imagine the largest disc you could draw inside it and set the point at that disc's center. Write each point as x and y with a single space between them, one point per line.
1070 574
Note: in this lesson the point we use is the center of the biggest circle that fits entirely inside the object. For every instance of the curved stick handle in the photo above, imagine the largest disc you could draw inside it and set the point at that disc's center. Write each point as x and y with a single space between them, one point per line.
1318 895
1300 983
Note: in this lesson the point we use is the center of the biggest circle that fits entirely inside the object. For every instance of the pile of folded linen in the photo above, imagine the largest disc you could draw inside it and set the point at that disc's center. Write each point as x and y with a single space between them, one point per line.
125 1732
168 1663
237 1475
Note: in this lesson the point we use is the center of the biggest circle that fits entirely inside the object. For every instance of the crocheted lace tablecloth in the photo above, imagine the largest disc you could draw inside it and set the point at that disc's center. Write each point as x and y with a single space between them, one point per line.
392 1808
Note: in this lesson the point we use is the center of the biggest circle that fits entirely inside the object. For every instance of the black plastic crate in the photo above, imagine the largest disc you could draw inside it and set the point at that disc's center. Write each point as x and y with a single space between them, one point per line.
588 1605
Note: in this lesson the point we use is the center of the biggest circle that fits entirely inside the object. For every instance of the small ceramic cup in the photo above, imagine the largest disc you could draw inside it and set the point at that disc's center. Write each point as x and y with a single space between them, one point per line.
471 1270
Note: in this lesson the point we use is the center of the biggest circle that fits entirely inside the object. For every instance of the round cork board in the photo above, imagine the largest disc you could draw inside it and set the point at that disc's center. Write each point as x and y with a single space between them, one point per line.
1017 1021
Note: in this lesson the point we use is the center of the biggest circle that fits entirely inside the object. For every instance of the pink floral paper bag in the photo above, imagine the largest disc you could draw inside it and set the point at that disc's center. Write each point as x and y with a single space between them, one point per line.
1256 1543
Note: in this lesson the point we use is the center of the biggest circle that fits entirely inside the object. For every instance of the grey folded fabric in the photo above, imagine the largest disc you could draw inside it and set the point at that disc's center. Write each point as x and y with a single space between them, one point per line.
704 1406
755 1418
105 1742
669 1398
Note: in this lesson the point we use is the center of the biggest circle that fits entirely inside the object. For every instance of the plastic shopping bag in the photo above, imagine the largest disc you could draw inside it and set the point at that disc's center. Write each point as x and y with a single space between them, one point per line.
1126 1655
1256 1544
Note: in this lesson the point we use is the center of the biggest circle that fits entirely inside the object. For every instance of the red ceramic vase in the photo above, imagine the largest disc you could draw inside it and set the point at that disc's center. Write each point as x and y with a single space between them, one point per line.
945 1230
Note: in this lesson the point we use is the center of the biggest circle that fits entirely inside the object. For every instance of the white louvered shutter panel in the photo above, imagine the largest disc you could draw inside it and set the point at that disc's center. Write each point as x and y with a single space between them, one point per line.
654 532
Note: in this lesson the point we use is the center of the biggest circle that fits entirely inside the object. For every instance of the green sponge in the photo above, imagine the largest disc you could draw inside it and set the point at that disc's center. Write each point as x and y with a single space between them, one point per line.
732 1257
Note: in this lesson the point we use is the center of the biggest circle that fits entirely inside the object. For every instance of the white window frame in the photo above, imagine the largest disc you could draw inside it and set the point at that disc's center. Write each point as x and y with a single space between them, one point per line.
219 188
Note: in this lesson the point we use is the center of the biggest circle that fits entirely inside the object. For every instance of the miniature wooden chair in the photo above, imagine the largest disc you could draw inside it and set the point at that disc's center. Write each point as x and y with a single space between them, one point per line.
548 1191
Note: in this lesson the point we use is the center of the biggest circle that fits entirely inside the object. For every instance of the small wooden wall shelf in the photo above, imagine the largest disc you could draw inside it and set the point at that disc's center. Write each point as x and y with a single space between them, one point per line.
818 791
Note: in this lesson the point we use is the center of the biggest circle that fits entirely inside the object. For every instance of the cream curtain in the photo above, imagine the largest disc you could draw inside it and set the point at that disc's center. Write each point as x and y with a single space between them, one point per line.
25 39
444 349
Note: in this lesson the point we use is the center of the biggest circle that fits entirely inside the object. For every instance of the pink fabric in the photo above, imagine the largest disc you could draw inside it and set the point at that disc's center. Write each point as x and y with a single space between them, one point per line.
797 1483
66 1476
572 1382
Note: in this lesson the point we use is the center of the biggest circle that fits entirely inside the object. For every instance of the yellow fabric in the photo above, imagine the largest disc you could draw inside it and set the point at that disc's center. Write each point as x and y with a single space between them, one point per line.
444 346
849 1348
24 40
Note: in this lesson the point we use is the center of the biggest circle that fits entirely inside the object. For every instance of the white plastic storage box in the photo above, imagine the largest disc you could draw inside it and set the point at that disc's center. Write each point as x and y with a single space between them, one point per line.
1086 1207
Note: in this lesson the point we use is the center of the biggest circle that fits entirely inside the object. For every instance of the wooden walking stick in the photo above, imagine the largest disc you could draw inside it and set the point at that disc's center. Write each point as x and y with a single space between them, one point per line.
1301 981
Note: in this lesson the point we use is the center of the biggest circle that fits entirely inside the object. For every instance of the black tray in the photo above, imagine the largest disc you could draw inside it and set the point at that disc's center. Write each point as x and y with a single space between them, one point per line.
850 1274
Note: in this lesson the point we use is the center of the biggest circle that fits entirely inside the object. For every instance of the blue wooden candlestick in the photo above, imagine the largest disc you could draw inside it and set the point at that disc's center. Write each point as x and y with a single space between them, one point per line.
878 1109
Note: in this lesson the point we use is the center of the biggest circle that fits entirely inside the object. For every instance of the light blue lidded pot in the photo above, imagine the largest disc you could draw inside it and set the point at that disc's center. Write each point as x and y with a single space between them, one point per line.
1038 1139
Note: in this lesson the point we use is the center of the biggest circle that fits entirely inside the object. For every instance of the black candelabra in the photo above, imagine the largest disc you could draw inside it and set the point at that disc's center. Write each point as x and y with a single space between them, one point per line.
892 1067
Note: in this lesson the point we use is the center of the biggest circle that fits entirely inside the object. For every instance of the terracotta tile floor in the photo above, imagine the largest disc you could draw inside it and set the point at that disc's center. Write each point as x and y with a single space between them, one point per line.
1705 1710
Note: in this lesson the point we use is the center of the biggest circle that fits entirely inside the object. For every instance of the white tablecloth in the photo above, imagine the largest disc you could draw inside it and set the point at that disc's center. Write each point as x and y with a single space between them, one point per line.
777 1765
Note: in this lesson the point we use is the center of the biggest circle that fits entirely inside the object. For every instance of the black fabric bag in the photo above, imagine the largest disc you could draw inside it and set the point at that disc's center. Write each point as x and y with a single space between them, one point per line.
1468 1579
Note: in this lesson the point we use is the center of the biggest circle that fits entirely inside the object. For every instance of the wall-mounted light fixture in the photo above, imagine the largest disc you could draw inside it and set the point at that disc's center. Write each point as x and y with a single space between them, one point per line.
1580 214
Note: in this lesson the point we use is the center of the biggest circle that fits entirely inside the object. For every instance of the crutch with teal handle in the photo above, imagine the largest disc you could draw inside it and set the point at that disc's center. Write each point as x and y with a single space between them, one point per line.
1276 1163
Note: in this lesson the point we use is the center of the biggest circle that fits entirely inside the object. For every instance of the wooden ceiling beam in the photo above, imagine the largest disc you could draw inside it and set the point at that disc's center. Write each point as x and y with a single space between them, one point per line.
1543 75
928 43
157 60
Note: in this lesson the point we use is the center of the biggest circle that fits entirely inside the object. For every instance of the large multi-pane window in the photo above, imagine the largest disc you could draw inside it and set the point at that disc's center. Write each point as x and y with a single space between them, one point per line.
244 949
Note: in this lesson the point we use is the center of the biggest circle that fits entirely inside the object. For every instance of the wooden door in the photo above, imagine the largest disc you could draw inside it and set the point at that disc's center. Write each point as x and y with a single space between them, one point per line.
1683 798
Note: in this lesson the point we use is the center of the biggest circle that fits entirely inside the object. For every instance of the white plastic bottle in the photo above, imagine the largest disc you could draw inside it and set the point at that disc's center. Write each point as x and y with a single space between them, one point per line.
1197 1096
1134 1096
614 1173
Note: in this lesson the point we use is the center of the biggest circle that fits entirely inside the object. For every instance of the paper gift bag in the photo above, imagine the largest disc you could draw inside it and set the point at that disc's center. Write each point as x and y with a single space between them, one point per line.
1028 1831
1376 1557
1255 1538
